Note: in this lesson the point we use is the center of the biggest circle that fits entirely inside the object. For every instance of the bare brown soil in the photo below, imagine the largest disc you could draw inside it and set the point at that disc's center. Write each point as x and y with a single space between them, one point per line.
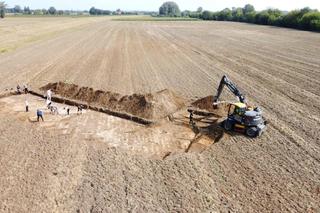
46 169
150 106
17 32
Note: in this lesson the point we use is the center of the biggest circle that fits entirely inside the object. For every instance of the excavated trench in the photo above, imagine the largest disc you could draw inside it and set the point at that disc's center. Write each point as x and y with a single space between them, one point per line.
171 130
149 107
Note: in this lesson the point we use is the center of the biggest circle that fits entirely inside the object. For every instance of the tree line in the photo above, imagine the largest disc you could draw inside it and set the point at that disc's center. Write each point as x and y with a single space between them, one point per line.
305 19
97 12
17 9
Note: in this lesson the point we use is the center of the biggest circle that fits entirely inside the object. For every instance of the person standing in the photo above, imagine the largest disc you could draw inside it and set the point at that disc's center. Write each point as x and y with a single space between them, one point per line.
80 108
49 94
39 115
27 105
18 89
26 89
48 102
68 110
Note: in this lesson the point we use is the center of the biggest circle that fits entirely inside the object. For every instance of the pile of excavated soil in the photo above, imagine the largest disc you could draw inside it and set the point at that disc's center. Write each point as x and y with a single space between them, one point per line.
206 103
150 106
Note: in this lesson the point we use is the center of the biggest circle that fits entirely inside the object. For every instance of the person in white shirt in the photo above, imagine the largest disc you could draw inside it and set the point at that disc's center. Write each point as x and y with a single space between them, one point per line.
49 94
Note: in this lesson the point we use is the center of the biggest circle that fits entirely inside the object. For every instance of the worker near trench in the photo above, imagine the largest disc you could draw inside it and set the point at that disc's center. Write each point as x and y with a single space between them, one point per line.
49 95
80 108
39 115
27 105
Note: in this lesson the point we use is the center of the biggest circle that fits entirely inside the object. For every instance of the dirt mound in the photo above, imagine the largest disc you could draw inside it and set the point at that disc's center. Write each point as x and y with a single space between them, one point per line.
150 106
206 103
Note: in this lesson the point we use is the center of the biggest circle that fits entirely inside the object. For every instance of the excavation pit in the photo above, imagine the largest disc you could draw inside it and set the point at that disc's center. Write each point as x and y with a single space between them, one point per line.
151 106
166 138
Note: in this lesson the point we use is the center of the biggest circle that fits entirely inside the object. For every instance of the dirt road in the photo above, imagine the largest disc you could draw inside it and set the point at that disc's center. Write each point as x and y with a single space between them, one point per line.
278 69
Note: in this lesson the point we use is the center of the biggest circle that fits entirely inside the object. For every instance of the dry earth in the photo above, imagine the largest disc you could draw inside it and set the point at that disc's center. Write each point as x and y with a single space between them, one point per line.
43 169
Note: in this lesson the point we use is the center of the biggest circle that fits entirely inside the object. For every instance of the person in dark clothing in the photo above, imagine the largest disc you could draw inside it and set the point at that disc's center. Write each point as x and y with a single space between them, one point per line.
25 89
18 89
27 106
49 104
39 115
68 111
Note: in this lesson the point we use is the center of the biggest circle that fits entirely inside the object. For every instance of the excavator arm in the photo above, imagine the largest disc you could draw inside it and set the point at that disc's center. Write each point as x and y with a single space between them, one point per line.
225 81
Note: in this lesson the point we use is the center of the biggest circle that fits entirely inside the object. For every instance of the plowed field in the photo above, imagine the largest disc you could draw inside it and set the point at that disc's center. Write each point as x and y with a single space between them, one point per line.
43 169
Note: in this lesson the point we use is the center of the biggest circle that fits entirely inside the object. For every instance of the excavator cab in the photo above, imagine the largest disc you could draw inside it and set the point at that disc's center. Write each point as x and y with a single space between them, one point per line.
237 109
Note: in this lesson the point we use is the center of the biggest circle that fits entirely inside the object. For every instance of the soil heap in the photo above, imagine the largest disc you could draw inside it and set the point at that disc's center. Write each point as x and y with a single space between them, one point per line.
149 106
206 103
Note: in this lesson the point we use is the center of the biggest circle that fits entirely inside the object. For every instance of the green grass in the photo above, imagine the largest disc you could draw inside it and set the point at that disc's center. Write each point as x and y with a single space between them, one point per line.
151 18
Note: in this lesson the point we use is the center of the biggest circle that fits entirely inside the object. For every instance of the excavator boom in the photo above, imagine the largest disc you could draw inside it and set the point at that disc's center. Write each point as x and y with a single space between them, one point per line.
225 81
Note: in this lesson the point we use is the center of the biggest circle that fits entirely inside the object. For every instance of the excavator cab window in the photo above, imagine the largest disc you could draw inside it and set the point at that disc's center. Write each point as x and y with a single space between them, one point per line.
231 109
236 110
240 110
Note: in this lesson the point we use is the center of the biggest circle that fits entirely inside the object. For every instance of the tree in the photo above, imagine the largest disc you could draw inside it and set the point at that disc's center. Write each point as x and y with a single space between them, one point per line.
169 9
207 15
262 17
92 11
17 9
199 10
248 8
195 15
119 12
2 9
44 11
26 10
38 12
250 17
274 16
237 14
186 13
52 10
225 15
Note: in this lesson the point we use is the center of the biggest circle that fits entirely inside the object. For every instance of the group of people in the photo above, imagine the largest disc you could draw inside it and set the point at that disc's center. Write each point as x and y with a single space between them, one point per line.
24 89
53 109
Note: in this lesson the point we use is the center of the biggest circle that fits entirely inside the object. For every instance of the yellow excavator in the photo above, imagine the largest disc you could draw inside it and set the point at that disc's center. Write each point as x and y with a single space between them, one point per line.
241 117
